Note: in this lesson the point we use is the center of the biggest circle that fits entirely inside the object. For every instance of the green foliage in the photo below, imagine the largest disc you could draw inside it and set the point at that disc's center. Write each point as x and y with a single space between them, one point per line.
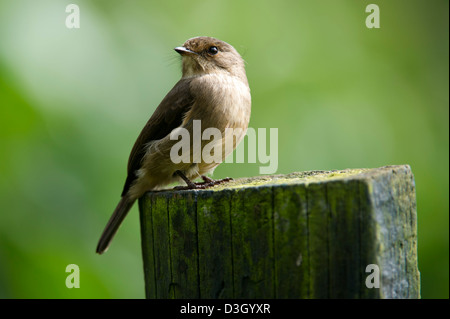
72 102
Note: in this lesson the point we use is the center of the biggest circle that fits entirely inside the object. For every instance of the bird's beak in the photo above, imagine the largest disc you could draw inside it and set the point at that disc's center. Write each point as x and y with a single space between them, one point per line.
183 50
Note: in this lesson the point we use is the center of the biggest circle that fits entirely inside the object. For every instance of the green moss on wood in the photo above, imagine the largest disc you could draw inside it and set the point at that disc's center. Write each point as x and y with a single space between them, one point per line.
300 235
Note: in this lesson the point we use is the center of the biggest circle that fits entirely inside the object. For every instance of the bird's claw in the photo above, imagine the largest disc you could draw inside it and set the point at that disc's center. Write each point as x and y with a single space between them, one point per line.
207 182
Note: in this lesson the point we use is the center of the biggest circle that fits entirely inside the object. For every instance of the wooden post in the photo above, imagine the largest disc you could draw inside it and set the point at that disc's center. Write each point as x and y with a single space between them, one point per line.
319 234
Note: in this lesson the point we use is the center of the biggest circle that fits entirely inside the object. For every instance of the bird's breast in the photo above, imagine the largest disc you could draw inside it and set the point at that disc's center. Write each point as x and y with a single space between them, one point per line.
221 101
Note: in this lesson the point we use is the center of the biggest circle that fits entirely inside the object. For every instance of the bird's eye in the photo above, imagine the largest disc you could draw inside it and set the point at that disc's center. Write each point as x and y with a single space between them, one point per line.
213 50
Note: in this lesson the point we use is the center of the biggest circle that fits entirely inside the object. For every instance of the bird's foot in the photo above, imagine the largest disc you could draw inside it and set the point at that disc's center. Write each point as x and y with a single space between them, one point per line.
212 182
207 182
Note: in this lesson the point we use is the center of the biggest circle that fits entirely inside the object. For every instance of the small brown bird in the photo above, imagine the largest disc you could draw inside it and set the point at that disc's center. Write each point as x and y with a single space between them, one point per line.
214 90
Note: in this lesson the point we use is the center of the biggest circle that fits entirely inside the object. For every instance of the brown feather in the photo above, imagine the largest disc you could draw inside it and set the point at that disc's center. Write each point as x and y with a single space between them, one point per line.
167 116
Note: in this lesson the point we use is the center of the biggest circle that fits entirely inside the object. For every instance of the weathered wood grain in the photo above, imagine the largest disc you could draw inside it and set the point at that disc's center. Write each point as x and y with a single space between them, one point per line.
300 235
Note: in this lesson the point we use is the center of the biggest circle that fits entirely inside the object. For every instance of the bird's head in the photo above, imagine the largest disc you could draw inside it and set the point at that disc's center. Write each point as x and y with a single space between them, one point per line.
204 55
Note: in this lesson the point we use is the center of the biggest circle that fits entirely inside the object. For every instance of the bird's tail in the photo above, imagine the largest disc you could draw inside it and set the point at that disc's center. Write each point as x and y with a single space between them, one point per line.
114 223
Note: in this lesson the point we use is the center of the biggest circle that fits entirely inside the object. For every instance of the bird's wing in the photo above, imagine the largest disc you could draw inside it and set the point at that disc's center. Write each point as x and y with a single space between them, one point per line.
167 116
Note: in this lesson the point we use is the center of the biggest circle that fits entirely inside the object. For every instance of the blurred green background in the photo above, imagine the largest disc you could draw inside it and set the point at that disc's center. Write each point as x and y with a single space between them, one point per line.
72 102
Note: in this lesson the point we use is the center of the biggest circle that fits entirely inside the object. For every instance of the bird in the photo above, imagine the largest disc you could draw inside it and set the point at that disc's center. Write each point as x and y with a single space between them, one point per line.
214 90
